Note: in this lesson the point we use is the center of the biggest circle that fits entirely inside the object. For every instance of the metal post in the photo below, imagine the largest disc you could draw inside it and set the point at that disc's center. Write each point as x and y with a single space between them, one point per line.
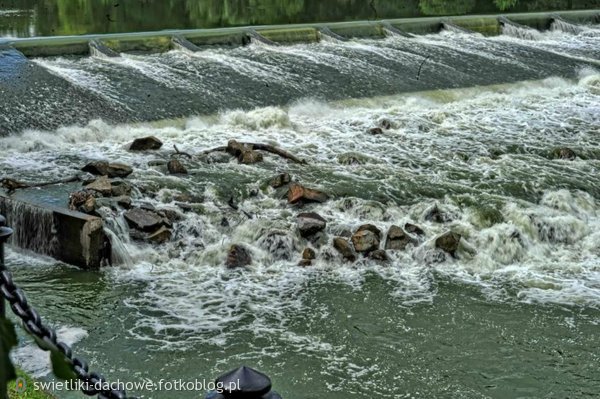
5 233
243 383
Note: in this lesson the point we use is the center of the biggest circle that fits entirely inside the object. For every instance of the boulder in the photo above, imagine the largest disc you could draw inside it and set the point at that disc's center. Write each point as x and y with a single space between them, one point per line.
309 254
564 153
120 188
398 239
413 229
370 227
344 248
310 223
103 168
280 180
236 148
101 185
436 215
78 199
375 131
145 144
143 220
238 256
448 242
175 167
298 193
365 241
379 255
249 157
160 236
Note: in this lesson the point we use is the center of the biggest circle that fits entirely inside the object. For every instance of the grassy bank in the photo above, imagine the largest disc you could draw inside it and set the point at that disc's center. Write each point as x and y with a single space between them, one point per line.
29 393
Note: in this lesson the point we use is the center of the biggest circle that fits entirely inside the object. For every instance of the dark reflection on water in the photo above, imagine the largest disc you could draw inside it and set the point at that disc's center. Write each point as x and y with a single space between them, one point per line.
25 18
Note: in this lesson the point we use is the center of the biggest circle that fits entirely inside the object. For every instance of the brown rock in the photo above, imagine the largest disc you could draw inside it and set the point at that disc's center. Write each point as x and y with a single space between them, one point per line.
372 228
343 247
309 254
413 229
143 220
448 242
398 239
238 256
310 224
101 185
298 193
280 180
365 241
236 148
249 157
145 144
160 236
305 262
175 167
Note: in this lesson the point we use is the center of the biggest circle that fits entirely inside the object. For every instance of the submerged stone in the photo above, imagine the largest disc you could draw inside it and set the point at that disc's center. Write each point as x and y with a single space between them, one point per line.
249 157
238 256
375 131
436 215
564 153
413 229
379 255
280 180
385 124
145 144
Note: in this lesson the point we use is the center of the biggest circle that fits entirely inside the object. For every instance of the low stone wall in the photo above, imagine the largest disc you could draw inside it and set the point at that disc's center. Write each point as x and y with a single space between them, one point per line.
161 41
72 237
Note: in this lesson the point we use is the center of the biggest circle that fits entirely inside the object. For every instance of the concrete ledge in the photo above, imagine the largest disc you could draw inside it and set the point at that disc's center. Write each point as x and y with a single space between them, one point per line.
161 40
72 237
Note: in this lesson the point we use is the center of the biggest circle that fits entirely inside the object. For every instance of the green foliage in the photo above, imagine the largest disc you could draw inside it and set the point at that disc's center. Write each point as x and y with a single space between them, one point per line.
444 7
8 340
29 392
505 4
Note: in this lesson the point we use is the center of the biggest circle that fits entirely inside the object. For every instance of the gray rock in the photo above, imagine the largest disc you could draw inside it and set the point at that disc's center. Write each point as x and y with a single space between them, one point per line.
448 242
101 185
238 256
145 144
436 215
120 188
249 157
413 229
175 167
143 220
398 239
379 255
370 227
344 248
310 223
365 241
160 236
564 153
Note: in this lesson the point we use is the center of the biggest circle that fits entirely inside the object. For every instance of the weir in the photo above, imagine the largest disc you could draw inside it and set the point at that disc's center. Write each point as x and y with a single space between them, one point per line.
72 237
162 40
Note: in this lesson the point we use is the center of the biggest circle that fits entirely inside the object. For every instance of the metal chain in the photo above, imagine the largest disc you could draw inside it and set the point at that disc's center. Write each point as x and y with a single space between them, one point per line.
32 323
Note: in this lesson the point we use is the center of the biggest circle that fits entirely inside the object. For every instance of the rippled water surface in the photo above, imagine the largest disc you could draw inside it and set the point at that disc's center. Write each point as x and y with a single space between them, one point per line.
514 314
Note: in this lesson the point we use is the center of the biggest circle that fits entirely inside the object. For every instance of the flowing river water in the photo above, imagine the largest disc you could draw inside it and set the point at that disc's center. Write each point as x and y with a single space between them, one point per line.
515 315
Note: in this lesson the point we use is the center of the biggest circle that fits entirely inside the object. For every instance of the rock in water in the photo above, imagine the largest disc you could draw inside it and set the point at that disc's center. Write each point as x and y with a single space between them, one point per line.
160 236
436 215
176 168
143 220
379 255
309 254
564 153
145 144
413 229
120 188
82 201
343 247
370 227
398 239
238 256
385 124
298 193
103 168
280 180
375 131
249 157
448 242
101 185
310 223
365 241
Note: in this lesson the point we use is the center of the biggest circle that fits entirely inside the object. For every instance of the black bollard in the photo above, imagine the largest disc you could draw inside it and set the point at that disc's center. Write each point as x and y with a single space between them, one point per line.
5 233
243 383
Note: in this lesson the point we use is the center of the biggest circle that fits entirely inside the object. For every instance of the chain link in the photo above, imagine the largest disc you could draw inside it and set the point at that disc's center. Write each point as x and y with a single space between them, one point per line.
47 340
